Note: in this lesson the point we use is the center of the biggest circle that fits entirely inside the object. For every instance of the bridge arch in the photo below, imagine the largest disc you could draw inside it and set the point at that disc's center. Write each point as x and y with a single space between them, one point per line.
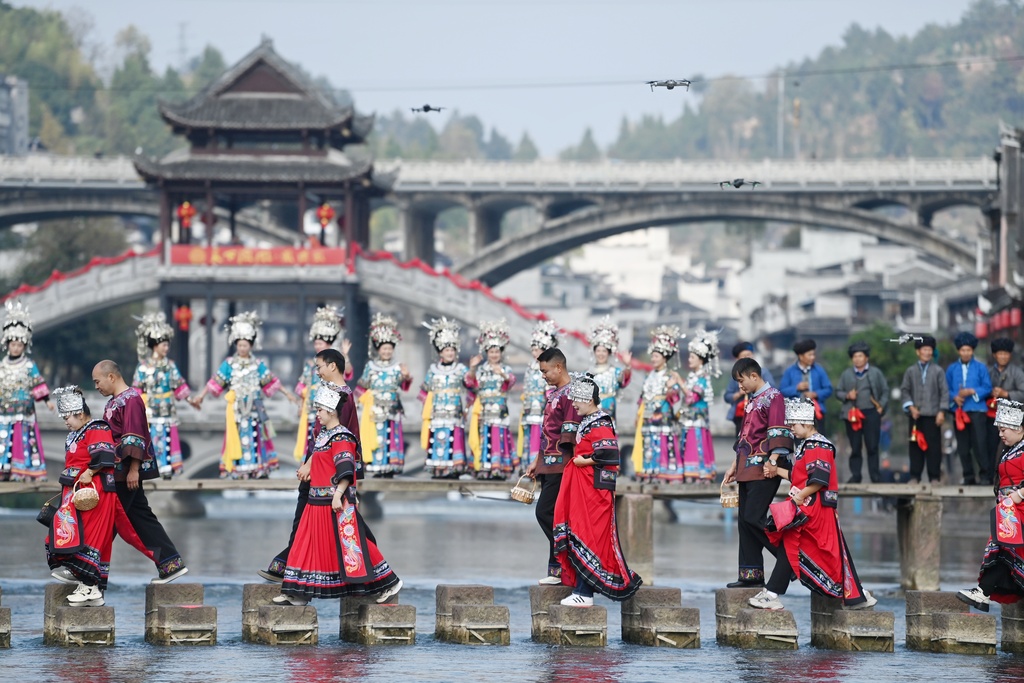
507 257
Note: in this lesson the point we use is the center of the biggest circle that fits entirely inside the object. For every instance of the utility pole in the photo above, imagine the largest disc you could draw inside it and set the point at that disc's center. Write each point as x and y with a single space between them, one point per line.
780 132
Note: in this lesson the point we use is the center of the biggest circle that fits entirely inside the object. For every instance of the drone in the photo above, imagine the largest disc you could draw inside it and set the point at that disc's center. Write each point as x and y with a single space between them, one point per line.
426 109
738 183
669 84
906 337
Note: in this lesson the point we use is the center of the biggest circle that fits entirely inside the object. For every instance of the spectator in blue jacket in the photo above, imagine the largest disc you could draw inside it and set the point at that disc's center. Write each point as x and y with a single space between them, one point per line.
970 387
733 396
807 378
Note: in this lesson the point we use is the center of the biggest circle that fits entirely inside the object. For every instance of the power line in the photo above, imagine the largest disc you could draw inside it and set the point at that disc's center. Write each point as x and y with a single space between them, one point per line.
540 85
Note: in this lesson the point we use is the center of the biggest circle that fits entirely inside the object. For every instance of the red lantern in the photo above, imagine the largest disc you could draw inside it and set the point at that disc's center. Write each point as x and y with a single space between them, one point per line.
999 320
980 329
183 316
326 214
186 212
1015 317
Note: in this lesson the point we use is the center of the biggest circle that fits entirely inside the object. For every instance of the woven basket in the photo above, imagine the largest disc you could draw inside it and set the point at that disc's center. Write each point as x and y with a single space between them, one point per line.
522 494
729 498
85 498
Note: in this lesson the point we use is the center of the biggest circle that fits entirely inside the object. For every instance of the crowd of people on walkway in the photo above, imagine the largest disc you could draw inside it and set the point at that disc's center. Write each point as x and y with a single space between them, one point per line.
572 451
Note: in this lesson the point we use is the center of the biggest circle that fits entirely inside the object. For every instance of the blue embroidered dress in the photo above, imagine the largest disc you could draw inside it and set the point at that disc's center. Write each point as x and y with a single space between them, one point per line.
490 434
444 419
248 441
384 381
161 384
21 447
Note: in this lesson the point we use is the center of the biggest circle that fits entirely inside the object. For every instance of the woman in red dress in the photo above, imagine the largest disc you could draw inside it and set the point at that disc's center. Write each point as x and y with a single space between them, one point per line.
78 545
815 550
586 538
334 554
1002 568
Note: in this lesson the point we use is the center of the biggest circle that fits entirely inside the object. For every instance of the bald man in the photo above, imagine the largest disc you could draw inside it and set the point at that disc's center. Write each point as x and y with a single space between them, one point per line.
125 412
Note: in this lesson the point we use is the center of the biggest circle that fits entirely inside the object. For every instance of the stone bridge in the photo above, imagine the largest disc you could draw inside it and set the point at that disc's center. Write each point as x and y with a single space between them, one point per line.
577 202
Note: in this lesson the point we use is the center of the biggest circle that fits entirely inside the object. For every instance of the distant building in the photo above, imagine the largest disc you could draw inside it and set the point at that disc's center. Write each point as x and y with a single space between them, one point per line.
13 115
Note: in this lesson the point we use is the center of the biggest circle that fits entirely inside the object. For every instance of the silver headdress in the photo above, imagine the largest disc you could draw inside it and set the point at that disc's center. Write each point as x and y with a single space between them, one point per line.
70 400
444 333
604 333
799 411
152 327
326 324
493 333
705 346
582 388
244 326
663 340
384 330
1009 414
545 335
325 397
18 325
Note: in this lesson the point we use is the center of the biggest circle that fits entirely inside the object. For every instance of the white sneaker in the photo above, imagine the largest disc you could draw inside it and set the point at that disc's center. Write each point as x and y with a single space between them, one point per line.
975 597
765 600
64 575
577 600
390 592
869 602
285 599
86 596
172 576
551 581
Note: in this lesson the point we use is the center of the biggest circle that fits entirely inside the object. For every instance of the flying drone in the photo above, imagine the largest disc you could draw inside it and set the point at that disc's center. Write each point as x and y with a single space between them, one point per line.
426 109
906 337
738 183
669 84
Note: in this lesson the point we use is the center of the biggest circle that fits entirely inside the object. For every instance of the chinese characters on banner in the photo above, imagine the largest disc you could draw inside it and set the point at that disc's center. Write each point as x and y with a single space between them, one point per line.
192 255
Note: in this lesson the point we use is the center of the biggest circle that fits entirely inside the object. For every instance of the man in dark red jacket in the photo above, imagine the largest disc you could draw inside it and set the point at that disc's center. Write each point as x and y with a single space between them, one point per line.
330 365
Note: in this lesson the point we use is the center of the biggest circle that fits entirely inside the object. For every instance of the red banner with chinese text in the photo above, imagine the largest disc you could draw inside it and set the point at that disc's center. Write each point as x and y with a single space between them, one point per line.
194 255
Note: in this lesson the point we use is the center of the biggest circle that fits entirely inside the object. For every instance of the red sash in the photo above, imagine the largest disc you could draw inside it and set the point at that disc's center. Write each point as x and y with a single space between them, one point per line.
741 406
962 419
66 527
817 410
918 437
353 552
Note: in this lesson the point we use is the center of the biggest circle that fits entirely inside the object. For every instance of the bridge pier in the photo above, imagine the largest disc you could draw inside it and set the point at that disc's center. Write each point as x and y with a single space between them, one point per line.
484 226
919 532
418 227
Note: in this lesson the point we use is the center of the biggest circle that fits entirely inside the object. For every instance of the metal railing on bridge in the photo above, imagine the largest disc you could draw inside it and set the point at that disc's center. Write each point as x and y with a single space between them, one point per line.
41 170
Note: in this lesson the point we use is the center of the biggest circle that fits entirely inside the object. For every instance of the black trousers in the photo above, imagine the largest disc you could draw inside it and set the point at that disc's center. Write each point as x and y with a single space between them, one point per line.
150 532
998 579
973 440
549 485
755 497
868 438
782 575
933 456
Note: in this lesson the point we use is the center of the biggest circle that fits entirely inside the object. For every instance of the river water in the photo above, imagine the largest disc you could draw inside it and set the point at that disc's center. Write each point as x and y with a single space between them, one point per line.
459 541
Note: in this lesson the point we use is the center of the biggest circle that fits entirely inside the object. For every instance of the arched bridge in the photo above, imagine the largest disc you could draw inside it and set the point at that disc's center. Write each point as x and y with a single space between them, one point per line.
602 198
109 282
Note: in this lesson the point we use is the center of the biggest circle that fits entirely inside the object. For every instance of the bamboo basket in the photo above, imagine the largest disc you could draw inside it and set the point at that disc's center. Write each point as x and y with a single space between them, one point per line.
522 494
85 498
729 498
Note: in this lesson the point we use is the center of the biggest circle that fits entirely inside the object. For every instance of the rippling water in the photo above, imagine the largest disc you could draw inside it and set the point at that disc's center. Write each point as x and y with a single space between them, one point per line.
438 541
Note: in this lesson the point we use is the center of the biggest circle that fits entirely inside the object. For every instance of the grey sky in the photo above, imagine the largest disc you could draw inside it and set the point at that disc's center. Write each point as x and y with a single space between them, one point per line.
403 53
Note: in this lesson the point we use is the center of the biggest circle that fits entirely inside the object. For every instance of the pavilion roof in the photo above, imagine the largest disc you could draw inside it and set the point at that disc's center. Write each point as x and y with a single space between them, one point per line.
264 92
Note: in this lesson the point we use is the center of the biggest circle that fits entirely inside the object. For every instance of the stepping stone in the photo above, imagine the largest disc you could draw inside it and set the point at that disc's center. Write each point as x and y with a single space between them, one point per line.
184 625
729 602
647 596
56 597
964 634
576 626
921 608
254 596
351 622
1013 628
176 594
480 625
542 599
84 626
287 625
765 629
675 627
863 631
386 624
446 596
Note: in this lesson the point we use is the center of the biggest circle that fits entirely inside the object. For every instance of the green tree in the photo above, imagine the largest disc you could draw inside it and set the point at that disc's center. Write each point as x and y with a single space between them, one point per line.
526 150
587 150
66 354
